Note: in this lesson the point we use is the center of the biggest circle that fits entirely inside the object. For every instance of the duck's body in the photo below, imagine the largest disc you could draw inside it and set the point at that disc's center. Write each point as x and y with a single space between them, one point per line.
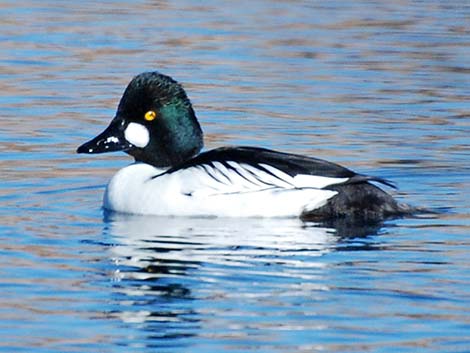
156 124
195 193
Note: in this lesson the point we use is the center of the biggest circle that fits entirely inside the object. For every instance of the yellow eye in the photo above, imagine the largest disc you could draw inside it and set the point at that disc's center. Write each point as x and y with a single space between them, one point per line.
150 115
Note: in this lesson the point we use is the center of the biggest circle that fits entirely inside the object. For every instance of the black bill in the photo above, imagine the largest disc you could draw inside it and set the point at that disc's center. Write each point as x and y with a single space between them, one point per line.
110 140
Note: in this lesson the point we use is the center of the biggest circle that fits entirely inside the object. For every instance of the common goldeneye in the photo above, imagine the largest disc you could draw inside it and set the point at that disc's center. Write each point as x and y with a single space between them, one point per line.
156 124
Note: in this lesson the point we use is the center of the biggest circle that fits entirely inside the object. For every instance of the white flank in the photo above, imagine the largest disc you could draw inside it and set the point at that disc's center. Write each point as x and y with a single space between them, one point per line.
315 181
137 134
194 192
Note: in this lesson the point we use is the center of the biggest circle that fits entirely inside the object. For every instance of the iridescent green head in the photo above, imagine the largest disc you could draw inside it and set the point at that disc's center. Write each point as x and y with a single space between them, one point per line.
155 123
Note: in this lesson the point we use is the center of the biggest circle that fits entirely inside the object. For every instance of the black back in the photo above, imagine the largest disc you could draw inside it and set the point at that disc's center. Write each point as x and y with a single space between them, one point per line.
291 164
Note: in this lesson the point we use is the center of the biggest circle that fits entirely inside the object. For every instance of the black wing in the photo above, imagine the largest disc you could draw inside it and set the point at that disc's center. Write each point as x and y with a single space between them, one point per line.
291 164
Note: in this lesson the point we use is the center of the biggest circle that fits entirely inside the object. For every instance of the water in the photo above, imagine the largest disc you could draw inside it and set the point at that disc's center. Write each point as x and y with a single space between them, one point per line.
383 88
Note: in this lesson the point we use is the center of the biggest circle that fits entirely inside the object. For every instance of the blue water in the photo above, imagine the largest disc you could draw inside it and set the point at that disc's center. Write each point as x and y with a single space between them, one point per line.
383 88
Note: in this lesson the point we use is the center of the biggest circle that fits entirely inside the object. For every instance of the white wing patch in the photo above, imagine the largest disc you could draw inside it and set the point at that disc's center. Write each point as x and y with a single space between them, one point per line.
276 172
233 177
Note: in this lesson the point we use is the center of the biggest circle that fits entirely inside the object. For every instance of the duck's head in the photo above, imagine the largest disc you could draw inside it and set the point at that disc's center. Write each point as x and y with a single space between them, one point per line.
155 123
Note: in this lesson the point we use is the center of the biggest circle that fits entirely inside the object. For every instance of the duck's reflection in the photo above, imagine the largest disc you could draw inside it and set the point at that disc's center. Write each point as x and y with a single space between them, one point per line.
167 268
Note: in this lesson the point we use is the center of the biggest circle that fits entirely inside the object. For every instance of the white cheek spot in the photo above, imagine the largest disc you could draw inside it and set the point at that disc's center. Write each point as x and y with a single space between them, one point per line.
137 134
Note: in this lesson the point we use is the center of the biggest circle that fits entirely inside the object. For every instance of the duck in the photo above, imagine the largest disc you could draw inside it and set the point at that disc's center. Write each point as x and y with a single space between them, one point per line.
156 124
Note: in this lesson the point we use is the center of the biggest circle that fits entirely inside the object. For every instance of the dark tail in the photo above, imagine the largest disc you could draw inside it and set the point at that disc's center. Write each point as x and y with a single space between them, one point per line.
362 202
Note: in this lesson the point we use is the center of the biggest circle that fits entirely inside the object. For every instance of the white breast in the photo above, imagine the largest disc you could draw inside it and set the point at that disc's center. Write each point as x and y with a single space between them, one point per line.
216 190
